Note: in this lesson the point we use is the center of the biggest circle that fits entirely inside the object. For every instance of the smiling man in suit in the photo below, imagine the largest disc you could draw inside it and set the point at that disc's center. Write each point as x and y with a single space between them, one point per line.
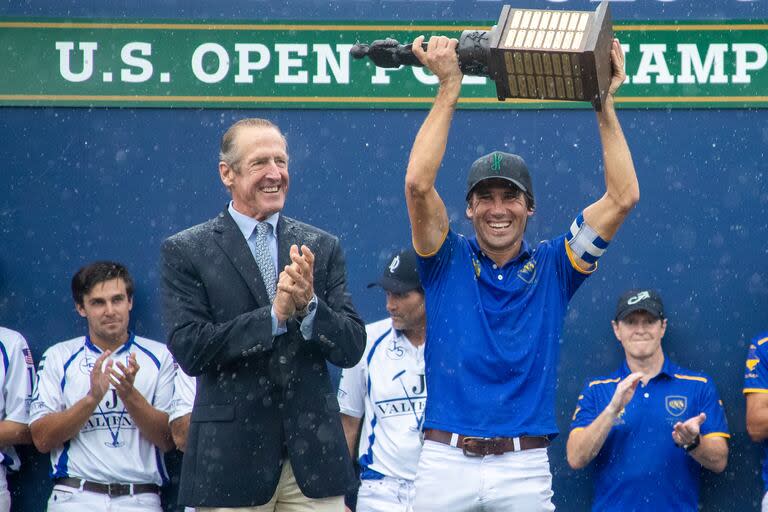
265 431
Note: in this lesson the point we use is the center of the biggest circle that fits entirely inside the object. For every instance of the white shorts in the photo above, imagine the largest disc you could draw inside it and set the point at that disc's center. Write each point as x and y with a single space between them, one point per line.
386 495
764 506
69 499
448 480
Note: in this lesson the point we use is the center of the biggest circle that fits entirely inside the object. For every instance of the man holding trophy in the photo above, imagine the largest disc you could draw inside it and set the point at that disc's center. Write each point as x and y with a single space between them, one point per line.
495 306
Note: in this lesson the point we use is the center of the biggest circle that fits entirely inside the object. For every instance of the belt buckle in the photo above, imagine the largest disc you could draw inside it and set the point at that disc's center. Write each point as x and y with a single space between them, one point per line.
473 439
115 490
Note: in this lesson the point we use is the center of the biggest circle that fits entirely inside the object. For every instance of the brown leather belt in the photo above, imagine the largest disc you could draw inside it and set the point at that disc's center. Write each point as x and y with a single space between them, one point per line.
480 446
111 490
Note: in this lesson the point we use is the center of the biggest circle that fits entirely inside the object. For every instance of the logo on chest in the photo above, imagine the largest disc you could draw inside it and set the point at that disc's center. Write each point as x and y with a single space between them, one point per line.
528 273
676 404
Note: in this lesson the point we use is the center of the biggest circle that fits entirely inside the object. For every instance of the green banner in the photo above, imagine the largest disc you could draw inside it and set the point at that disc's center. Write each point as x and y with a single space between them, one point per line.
307 65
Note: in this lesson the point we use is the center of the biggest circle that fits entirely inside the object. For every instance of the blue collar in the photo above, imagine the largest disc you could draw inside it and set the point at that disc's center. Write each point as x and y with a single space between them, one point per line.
668 368
524 254
247 224
123 348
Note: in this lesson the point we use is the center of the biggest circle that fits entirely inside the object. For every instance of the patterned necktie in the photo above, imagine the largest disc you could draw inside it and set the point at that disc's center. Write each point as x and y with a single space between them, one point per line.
264 258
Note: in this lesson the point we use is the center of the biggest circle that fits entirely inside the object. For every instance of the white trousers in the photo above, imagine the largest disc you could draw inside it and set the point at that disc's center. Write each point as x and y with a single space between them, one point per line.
386 495
764 506
69 499
5 495
447 480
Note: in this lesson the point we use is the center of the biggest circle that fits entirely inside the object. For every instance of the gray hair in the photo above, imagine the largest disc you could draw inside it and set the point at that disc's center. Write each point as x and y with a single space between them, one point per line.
228 150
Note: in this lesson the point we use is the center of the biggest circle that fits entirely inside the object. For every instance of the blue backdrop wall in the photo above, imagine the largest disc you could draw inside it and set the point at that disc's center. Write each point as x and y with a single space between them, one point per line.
81 184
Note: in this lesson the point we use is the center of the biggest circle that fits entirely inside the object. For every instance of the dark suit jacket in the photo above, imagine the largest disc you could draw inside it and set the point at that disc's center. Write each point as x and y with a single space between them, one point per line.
257 396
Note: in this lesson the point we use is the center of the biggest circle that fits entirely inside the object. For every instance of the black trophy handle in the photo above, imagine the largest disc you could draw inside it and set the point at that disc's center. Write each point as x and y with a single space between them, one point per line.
473 51
387 53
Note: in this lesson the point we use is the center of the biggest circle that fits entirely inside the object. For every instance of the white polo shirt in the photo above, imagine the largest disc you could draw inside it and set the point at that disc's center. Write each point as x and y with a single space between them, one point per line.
387 389
17 376
184 390
109 447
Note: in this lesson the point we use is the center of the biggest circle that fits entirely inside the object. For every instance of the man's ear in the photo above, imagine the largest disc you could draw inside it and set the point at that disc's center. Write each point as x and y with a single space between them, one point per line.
226 173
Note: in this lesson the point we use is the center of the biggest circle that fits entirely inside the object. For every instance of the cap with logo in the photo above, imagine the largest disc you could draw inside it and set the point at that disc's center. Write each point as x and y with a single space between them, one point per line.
504 166
400 275
639 300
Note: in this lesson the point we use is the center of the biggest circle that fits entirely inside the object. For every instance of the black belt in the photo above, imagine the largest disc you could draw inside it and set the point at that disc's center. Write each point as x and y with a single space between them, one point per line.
481 446
111 490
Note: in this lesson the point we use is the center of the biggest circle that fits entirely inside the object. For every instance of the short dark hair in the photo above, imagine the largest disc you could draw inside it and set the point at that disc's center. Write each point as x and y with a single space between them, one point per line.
98 272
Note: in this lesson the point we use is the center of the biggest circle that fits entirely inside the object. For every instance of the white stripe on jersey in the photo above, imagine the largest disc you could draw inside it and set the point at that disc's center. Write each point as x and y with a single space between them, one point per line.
109 447
387 388
17 376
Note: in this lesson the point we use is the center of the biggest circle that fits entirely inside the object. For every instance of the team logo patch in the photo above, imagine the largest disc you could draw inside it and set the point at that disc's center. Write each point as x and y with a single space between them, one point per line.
395 351
476 266
751 363
86 365
528 273
394 264
496 160
676 404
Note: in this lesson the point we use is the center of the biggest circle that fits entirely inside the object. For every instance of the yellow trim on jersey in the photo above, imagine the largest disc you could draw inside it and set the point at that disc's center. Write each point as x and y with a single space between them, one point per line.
754 390
691 377
439 246
604 381
760 342
577 428
575 265
717 434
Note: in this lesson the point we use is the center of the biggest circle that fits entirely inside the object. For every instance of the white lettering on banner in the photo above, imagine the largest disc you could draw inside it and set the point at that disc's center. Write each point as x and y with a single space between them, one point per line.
688 63
690 59
246 65
88 49
286 63
743 65
380 76
425 76
652 61
197 63
127 54
327 58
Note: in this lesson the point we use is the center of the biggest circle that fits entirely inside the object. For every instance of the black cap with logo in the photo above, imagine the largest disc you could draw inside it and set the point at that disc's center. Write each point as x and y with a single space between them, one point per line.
400 275
504 166
639 300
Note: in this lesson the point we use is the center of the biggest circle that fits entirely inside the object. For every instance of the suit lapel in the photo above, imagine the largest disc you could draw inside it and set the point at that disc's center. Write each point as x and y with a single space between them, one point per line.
231 241
286 236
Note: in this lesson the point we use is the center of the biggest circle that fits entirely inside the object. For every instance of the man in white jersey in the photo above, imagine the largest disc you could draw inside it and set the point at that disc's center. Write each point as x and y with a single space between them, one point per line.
181 411
386 391
181 408
17 375
101 403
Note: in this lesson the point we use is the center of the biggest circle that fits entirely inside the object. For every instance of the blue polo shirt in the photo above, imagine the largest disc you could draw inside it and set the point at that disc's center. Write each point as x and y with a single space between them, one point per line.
640 468
493 336
756 381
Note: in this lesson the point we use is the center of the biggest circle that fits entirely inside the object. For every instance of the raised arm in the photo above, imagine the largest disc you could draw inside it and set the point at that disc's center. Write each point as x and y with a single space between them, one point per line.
429 219
622 191
585 443
711 451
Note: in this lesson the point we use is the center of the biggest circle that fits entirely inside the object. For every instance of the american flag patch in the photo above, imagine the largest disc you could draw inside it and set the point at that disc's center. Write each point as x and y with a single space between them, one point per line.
28 357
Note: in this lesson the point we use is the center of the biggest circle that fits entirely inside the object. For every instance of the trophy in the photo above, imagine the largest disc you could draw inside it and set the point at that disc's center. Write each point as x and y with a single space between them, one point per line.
529 53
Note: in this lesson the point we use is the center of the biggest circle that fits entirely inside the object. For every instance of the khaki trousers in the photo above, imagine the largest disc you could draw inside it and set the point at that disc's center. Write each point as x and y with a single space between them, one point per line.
288 498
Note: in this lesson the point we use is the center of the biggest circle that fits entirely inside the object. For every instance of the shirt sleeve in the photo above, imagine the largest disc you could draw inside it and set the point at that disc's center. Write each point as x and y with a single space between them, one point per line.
19 379
47 395
756 371
164 391
184 390
353 388
430 267
712 406
586 409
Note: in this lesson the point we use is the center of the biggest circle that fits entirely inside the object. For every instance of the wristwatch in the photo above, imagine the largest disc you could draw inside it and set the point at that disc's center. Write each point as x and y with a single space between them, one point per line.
309 308
692 445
